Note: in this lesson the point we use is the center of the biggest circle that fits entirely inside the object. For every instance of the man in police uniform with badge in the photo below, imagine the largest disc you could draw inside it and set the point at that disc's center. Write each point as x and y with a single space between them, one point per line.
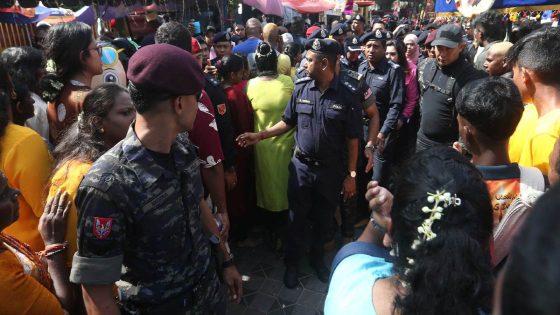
358 25
327 114
338 33
352 53
386 80
141 210
222 46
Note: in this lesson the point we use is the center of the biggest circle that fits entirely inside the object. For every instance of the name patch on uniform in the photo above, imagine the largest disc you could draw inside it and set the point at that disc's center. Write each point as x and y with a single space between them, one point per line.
303 101
336 106
102 227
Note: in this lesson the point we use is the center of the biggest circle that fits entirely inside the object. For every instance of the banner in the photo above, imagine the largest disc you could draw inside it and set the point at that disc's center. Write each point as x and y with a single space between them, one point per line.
449 5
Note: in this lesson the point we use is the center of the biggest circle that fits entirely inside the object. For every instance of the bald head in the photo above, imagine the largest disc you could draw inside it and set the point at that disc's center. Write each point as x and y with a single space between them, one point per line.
253 28
271 34
495 63
500 49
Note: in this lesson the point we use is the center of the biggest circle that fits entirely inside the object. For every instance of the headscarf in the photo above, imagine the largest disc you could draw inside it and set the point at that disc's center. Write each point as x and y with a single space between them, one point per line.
415 53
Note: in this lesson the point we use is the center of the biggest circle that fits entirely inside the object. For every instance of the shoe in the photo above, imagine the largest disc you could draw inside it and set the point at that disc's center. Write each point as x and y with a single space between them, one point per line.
291 277
322 271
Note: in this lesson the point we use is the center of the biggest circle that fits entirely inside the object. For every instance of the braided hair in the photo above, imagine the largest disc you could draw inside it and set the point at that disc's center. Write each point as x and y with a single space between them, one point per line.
266 59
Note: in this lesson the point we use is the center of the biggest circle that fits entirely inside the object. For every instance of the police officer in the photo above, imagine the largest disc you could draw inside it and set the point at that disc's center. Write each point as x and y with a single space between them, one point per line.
327 115
140 206
441 79
386 80
338 33
352 53
358 25
222 46
301 72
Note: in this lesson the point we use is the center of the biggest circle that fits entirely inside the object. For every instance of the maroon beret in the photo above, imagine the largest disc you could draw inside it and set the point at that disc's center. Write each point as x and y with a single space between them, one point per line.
167 69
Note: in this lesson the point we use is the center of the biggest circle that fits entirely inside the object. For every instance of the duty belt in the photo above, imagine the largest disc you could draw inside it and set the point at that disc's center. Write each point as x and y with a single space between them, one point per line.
306 159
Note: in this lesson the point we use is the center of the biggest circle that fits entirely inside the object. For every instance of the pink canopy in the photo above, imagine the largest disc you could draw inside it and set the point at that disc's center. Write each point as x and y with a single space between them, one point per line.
273 7
309 6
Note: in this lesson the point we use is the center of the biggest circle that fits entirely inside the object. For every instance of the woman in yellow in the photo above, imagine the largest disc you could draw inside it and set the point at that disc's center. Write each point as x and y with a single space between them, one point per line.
269 93
107 113
32 283
25 160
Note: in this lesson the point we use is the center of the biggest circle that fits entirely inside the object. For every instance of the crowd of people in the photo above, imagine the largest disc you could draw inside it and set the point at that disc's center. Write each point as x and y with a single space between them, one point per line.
438 141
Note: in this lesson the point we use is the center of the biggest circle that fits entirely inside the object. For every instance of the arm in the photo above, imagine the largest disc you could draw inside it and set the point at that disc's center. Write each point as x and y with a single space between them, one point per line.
349 184
213 179
250 138
380 201
373 130
99 300
396 101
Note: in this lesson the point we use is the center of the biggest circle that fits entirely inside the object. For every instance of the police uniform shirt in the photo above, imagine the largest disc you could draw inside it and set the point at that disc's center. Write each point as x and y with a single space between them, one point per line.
350 65
324 120
134 212
353 79
386 81
439 118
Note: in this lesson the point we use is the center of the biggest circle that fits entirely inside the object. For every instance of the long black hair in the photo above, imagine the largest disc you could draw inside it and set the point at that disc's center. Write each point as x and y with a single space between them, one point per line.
63 46
451 273
23 64
83 141
266 59
229 64
7 96
400 47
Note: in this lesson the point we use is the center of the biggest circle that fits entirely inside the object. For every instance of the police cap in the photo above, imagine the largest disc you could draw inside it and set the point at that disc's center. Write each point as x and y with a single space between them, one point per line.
162 67
359 18
318 33
222 37
323 46
375 35
338 30
352 44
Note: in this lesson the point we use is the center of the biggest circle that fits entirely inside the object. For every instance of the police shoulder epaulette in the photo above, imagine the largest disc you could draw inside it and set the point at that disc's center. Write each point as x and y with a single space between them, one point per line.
354 75
394 65
301 80
351 87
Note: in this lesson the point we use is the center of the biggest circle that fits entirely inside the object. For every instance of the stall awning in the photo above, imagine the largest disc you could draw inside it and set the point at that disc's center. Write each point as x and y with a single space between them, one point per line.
449 6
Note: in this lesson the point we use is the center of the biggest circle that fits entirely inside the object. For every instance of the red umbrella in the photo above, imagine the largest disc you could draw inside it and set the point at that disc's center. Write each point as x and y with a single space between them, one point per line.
273 7
310 6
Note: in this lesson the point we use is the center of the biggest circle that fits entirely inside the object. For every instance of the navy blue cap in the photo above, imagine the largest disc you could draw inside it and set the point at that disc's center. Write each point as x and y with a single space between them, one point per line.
338 29
222 37
325 46
359 17
318 33
376 35
449 35
352 44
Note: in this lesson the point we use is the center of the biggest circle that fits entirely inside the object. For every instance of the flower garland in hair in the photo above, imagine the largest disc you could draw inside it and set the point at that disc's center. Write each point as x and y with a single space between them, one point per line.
440 200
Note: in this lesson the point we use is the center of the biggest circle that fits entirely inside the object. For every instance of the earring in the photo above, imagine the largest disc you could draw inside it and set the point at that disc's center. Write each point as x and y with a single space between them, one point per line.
102 130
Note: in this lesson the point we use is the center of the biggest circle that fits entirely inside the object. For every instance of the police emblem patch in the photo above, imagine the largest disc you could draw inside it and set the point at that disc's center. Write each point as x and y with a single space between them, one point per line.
102 227
316 45
355 41
378 34
323 34
340 31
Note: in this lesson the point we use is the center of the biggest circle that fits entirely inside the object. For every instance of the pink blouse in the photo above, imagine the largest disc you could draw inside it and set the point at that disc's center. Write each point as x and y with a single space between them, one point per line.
412 91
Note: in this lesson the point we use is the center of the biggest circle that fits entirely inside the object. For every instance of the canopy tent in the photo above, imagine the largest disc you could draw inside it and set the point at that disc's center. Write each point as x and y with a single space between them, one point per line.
450 6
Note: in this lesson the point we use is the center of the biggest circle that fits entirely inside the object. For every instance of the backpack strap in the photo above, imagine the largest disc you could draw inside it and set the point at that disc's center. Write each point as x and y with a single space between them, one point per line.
359 248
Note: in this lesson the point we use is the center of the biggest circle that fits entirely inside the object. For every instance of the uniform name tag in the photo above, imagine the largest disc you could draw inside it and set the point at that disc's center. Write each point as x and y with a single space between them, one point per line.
303 101
336 106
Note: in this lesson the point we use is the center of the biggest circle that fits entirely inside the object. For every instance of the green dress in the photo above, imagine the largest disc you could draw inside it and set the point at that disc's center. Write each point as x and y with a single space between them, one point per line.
269 98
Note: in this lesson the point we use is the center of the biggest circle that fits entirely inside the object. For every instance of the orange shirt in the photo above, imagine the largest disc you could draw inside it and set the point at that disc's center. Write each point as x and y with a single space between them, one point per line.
67 178
20 293
26 162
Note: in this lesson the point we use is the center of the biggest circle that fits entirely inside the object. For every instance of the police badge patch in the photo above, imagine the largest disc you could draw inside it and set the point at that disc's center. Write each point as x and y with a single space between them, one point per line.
355 41
102 227
316 45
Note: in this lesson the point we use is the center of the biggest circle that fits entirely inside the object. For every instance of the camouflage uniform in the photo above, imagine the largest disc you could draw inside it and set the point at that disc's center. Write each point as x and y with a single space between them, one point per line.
137 214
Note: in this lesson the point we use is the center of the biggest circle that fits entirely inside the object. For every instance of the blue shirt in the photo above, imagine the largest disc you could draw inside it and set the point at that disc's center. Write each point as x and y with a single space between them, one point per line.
351 286
324 120
247 47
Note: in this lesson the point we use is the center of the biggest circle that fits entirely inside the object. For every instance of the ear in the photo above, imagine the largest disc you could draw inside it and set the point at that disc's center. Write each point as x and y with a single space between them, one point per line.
97 122
176 105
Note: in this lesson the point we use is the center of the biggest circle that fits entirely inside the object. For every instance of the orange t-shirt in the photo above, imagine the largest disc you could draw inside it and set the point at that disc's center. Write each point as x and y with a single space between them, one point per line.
20 293
64 111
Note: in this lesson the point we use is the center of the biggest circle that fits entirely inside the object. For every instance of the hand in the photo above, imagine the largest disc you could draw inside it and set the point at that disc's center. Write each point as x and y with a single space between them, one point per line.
379 198
368 153
52 224
247 139
380 142
232 278
400 123
231 179
349 188
210 69
224 233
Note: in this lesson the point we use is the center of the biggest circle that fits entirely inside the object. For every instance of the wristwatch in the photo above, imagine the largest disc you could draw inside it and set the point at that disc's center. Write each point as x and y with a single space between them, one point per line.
371 146
352 174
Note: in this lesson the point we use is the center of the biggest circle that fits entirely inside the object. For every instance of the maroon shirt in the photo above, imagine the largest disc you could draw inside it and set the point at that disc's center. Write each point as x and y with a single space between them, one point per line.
205 134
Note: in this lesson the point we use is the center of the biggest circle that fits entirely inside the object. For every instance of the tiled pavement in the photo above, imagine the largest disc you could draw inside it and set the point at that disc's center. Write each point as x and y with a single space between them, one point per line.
264 291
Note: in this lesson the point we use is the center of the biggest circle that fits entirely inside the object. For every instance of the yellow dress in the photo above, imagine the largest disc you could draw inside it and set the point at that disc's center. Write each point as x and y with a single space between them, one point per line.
269 98
25 160
68 178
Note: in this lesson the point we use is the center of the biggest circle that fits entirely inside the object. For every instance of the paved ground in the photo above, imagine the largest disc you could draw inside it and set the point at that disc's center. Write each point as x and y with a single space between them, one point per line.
264 292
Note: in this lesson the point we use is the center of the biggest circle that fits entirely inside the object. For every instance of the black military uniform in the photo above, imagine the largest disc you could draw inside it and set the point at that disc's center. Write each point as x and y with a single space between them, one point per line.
439 85
220 37
351 44
325 121
386 80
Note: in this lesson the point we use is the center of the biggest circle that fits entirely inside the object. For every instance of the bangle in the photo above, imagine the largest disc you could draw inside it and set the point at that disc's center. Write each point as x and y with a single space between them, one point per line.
376 225
228 263
371 146
53 249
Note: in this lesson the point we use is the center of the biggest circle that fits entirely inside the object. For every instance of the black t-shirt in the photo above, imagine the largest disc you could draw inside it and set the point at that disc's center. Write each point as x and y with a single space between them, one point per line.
439 117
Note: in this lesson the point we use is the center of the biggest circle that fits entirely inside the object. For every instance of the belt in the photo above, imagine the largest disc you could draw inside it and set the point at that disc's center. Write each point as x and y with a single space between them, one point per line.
306 159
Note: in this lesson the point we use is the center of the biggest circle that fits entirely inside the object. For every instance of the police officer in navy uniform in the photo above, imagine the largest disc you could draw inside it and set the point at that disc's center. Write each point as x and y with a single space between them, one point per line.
141 205
352 53
338 33
301 71
386 79
327 114
222 46
358 25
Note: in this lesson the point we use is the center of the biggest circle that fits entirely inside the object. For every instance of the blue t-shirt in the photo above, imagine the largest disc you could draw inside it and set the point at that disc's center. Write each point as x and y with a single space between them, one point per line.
351 286
247 47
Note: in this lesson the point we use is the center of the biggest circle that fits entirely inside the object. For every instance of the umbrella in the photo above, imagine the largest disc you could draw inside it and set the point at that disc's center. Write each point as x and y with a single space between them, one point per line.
310 6
273 7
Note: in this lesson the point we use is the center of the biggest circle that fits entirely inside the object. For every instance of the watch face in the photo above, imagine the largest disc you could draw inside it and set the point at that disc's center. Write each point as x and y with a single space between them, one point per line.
352 174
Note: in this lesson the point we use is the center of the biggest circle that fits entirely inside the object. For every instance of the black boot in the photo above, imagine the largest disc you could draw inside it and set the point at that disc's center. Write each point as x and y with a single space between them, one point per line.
291 277
322 271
